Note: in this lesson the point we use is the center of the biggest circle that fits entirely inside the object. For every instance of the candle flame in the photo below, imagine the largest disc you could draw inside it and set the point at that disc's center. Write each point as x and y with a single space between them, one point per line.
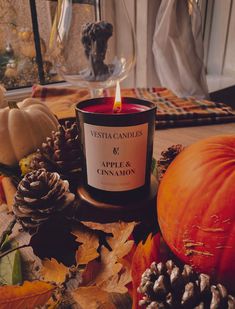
117 106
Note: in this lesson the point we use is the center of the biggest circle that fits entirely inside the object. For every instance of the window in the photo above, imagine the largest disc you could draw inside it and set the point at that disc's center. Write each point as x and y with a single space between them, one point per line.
21 65
23 61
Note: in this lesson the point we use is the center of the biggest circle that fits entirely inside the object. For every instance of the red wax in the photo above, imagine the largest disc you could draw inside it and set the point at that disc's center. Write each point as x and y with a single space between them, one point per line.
107 108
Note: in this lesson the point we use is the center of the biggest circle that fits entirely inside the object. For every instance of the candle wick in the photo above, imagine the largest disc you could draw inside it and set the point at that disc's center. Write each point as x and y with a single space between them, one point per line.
117 107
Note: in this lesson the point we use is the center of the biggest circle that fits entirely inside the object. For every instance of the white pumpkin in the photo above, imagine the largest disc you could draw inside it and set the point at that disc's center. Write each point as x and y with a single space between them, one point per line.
23 128
2 96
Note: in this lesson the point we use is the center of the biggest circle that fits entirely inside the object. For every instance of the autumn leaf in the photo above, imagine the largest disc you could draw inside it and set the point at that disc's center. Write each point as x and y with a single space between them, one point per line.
55 301
89 241
53 271
10 269
102 270
145 254
10 265
120 245
111 227
92 297
92 269
29 295
109 273
117 283
119 242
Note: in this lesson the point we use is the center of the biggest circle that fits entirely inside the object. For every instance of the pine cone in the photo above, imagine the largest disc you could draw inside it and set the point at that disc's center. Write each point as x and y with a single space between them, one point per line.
167 157
60 153
167 286
39 196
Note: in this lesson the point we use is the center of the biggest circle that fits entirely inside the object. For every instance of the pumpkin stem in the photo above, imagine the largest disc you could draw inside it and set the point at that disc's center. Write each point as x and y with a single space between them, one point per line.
13 104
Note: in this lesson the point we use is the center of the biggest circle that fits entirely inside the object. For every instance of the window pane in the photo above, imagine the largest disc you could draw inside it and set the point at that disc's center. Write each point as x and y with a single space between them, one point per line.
18 63
45 15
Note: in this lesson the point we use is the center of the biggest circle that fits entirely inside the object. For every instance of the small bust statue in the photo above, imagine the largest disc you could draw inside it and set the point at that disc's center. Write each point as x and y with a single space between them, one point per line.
95 38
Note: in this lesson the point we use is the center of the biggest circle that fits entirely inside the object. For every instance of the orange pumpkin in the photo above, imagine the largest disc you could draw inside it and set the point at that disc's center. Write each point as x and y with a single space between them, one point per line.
196 207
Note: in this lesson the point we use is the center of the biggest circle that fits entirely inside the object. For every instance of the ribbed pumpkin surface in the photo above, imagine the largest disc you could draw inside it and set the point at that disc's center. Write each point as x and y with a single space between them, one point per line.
196 207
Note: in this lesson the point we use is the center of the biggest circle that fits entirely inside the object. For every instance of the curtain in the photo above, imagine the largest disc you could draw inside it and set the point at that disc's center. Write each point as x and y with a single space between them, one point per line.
178 48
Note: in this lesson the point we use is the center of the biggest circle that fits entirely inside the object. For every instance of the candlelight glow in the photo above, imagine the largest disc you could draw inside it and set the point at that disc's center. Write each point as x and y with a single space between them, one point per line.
117 106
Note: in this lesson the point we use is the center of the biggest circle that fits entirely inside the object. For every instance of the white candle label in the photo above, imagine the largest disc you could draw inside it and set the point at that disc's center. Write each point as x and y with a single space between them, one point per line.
116 156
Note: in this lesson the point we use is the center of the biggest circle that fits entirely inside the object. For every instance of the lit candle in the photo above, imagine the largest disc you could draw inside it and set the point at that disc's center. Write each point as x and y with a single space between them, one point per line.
107 108
117 140
110 106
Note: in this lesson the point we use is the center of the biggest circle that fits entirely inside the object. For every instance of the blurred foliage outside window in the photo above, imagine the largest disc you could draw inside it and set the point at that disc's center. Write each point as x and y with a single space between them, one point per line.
18 62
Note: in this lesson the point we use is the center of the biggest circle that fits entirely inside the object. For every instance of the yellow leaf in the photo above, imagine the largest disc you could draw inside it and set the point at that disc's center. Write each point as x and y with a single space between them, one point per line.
87 251
29 295
53 271
92 298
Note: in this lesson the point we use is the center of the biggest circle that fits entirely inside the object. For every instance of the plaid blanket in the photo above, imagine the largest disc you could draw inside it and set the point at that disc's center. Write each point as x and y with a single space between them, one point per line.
172 111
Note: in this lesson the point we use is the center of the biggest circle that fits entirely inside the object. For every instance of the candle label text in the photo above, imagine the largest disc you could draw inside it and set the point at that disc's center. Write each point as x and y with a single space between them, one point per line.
116 156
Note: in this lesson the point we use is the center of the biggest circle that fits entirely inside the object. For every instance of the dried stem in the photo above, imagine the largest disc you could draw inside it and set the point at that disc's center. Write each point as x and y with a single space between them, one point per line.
7 232
13 249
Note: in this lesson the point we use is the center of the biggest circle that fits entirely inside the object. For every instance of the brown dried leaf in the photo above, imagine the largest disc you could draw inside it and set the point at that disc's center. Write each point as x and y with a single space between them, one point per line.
53 271
110 227
90 273
100 271
109 273
121 232
29 295
117 283
119 242
55 301
92 297
87 251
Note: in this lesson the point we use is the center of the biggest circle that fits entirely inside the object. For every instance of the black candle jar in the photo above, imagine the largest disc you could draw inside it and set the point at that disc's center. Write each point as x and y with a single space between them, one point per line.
117 148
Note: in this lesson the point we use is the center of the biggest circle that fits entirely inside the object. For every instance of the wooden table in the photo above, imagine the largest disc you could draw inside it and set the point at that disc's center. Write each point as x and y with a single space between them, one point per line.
187 135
